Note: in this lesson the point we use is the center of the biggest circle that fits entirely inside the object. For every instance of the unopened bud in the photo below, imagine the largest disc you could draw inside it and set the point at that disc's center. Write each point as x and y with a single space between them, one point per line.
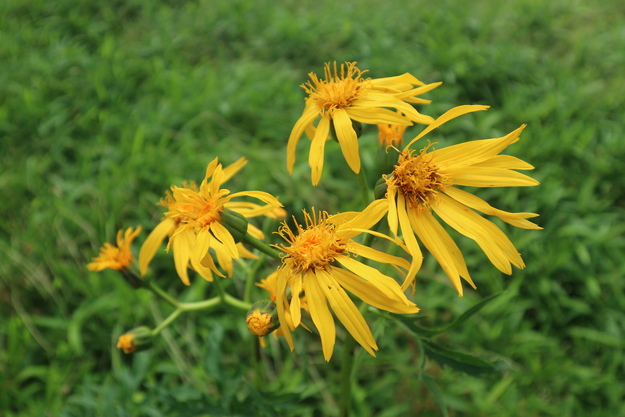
137 339
262 318
380 188
236 224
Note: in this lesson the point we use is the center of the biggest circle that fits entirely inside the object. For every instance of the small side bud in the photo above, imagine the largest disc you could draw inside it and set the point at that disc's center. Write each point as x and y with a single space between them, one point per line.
380 189
137 339
236 224
262 318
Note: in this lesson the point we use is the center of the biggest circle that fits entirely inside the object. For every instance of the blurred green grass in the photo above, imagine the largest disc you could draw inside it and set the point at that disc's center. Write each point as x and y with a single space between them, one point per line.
103 105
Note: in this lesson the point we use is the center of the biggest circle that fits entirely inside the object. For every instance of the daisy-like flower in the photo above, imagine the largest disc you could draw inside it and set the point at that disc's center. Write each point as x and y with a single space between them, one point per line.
344 95
194 223
391 135
116 257
427 182
320 262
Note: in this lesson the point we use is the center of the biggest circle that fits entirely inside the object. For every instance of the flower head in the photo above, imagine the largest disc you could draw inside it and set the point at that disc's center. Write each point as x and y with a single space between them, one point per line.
391 135
343 96
116 257
319 261
426 182
193 221
137 339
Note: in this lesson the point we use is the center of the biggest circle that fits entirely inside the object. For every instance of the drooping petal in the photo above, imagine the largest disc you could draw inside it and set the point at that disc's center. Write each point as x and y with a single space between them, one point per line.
321 317
315 157
442 247
282 304
495 244
411 242
223 235
371 292
182 245
153 242
470 200
311 112
346 311
347 138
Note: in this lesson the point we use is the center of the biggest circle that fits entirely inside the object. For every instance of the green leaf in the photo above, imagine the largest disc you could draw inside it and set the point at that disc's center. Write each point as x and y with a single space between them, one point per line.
463 362
430 383
408 322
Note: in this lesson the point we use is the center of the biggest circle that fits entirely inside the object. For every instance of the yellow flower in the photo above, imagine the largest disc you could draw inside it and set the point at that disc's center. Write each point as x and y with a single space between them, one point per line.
116 257
391 135
343 96
137 339
193 222
427 182
320 262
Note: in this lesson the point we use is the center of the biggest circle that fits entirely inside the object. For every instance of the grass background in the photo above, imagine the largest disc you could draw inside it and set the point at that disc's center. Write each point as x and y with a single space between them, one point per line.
103 105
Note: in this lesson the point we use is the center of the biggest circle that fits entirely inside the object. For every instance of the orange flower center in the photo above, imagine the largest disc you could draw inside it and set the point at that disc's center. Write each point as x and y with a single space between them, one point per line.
314 247
337 90
419 179
188 206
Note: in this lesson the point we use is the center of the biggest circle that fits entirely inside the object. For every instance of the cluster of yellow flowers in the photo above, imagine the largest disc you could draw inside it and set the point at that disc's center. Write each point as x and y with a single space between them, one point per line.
323 259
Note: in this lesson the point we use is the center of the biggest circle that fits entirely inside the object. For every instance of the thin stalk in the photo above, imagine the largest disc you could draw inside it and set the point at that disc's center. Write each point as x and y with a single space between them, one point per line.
261 246
347 368
161 293
173 316
364 188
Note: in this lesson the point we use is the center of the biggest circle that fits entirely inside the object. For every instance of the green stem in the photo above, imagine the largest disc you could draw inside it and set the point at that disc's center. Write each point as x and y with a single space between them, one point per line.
347 368
173 316
261 246
161 293
364 188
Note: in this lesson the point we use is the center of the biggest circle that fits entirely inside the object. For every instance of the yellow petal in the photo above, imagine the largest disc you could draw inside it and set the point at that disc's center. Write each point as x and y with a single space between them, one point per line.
505 161
495 244
346 311
410 240
296 289
375 115
321 316
315 157
445 117
475 151
347 138
182 245
470 200
371 293
223 235
311 112
282 303
378 256
153 242
383 283
442 247
232 169
475 176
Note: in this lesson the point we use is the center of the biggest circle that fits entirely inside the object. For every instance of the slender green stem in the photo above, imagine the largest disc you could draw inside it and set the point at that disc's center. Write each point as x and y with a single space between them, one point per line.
364 188
161 293
261 246
347 368
173 316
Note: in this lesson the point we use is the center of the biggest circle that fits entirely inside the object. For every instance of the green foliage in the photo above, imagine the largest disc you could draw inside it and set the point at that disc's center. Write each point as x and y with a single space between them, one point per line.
103 105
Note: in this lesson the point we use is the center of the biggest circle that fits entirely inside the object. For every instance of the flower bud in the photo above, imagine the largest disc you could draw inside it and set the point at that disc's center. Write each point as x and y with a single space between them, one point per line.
380 189
236 224
262 318
137 339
